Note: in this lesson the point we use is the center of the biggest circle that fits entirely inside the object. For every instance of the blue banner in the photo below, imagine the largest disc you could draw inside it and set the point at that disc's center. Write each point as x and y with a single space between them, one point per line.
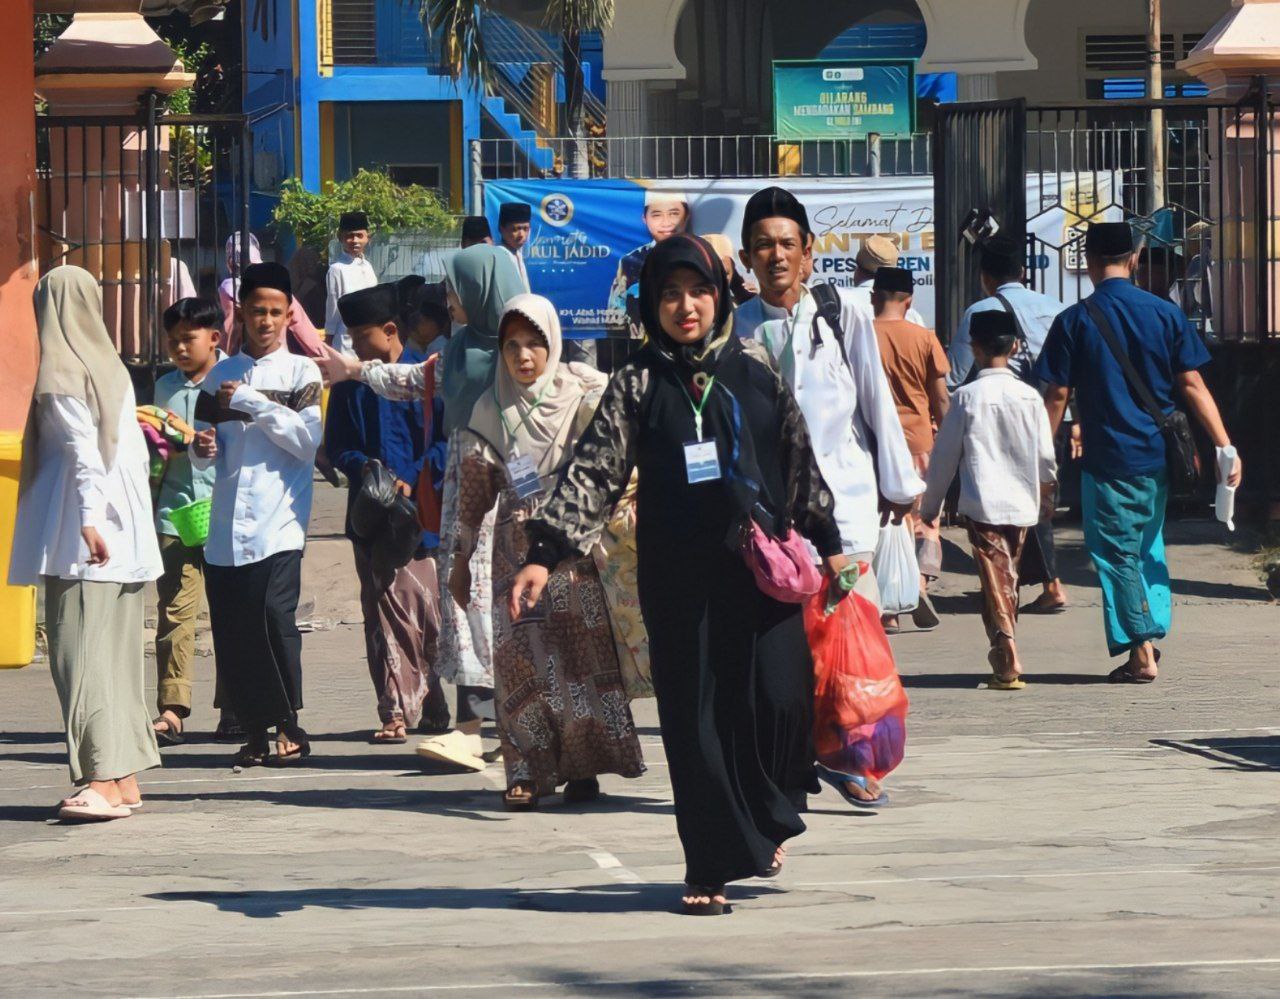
581 231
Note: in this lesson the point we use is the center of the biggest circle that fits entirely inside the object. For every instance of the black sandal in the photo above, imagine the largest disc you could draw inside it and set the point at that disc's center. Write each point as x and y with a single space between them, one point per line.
253 753
228 730
296 735
582 791
1125 674
711 907
172 733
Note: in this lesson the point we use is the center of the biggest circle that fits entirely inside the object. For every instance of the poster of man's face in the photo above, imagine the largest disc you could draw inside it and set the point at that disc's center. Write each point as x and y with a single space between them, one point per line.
665 217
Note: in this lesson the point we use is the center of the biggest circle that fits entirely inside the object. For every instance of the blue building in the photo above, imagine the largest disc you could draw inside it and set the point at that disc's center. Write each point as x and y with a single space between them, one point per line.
354 83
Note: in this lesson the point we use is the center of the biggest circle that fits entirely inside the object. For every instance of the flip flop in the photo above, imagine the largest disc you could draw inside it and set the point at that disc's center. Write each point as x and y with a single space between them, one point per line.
383 737
1041 606
171 735
89 805
1122 674
838 781
456 747
995 683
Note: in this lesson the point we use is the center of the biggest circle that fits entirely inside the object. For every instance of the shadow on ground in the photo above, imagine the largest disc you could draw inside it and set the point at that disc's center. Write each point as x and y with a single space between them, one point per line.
1248 753
593 899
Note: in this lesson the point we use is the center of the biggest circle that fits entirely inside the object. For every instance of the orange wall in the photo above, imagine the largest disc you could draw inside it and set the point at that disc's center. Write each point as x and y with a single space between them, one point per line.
18 350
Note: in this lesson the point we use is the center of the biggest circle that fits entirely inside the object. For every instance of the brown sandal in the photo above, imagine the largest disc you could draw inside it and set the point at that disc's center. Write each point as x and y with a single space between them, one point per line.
518 798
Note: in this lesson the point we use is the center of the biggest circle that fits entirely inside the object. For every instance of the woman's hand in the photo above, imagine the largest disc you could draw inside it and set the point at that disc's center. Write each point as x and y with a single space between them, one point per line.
460 583
205 444
835 564
98 554
526 589
336 366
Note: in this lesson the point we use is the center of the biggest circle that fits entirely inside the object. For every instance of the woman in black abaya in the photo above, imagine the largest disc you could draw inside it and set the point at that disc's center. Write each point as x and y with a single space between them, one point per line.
731 666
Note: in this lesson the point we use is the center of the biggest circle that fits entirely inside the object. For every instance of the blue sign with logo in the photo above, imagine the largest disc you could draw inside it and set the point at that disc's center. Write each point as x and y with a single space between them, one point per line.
581 230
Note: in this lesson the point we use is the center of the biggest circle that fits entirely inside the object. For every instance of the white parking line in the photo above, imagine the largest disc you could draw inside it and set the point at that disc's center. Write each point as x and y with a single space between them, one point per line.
613 866
783 976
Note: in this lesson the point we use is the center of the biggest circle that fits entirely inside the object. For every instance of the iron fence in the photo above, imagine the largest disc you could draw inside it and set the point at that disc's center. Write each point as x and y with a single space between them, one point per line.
1203 202
146 204
677 157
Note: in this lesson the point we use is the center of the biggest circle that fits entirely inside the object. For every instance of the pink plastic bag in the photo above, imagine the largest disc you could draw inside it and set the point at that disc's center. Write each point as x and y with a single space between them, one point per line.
783 567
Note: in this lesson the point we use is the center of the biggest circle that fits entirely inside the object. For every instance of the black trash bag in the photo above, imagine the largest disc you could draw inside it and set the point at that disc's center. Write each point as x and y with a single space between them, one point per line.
384 518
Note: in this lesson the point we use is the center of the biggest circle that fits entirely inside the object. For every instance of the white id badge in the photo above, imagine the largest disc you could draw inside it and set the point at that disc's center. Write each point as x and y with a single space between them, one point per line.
524 476
701 461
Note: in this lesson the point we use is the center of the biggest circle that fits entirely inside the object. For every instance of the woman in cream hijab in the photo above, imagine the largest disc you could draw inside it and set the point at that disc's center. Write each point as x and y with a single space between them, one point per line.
562 710
85 530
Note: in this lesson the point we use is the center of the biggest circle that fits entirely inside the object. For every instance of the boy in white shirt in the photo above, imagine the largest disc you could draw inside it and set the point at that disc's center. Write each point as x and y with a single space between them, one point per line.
349 272
264 404
997 434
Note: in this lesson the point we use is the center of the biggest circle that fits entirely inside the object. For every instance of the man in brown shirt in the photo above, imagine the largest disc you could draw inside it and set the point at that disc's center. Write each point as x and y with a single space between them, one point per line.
917 368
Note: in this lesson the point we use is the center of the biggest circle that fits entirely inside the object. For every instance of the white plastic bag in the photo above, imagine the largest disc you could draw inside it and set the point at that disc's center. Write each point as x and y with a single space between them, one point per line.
1225 500
897 571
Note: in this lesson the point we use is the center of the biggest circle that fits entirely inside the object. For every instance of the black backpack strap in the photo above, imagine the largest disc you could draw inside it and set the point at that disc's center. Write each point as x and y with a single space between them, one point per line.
1139 387
826 300
1017 325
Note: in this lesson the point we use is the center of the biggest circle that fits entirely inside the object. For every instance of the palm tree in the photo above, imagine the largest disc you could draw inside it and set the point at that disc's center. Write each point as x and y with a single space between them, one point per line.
456 27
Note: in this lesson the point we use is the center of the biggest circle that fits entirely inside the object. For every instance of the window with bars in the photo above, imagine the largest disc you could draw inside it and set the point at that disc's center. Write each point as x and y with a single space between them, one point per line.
354 32
1112 63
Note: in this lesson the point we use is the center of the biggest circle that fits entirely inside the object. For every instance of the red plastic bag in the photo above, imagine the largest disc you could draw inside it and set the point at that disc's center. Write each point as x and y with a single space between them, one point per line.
860 708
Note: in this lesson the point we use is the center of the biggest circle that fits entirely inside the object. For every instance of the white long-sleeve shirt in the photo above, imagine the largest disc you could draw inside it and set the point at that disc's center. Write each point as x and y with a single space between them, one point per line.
72 488
997 434
519 262
346 274
262 489
849 409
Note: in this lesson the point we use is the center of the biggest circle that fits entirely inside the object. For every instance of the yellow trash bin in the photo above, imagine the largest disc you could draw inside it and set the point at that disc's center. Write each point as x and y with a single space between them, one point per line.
17 603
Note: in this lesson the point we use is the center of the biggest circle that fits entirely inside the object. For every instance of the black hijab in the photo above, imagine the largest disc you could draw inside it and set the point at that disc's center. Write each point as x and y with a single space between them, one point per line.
693 365
696 254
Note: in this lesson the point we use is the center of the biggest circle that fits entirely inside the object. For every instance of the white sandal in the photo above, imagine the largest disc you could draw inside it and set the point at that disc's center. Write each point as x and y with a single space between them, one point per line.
88 805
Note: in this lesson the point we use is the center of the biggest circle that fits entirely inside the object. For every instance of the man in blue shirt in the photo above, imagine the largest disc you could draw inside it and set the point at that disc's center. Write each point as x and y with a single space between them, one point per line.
1125 483
1002 267
401 607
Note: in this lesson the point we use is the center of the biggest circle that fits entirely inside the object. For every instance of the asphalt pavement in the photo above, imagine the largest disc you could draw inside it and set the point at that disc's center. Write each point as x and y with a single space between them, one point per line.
1072 839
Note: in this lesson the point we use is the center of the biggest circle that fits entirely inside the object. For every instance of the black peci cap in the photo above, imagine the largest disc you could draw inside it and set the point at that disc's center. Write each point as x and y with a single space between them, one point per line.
894 279
514 212
1108 239
379 304
351 221
770 203
267 275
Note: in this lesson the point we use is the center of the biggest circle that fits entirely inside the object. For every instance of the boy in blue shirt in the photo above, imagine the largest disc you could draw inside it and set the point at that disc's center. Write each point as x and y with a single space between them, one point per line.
401 606
192 327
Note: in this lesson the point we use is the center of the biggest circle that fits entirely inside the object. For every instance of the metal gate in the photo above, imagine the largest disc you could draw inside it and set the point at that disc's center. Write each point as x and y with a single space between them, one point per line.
146 204
979 156
1205 209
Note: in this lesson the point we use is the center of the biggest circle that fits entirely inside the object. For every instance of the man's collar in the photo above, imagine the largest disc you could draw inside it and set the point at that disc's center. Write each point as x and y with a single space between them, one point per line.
994 371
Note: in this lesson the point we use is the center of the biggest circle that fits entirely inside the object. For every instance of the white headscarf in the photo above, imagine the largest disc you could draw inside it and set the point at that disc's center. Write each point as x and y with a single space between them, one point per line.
77 358
230 284
538 420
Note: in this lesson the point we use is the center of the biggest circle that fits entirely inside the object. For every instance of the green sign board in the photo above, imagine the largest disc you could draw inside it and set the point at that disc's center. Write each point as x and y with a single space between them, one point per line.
843 100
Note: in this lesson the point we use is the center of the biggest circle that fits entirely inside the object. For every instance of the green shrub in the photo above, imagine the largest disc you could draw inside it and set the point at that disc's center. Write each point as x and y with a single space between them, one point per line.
313 218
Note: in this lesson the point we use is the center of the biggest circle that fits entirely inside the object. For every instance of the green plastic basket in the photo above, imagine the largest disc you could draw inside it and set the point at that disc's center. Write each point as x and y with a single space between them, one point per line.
192 522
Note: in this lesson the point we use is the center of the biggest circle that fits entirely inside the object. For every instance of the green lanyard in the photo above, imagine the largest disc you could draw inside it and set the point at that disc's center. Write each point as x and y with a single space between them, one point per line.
511 434
699 406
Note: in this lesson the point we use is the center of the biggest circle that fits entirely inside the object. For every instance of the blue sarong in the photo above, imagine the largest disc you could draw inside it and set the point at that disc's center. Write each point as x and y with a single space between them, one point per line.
1124 535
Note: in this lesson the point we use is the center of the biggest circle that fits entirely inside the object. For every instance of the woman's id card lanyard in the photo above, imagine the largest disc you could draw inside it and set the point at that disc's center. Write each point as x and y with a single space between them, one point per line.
702 462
